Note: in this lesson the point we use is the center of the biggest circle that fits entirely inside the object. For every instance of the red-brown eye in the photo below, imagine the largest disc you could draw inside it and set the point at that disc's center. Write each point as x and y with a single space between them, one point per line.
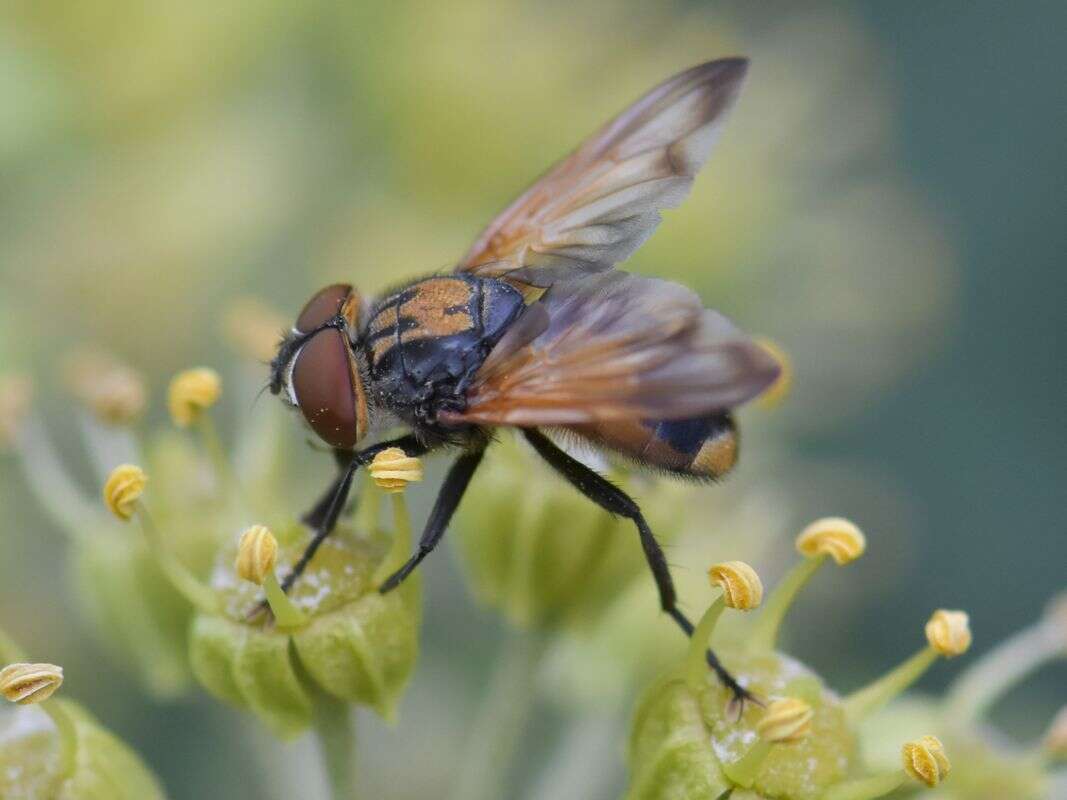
328 389
323 307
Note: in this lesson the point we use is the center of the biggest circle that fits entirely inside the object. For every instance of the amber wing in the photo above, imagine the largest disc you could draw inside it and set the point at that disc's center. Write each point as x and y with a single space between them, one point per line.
596 207
616 346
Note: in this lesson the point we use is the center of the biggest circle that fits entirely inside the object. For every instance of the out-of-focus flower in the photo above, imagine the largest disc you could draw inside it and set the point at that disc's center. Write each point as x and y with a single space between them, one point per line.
191 393
52 749
113 392
123 488
804 745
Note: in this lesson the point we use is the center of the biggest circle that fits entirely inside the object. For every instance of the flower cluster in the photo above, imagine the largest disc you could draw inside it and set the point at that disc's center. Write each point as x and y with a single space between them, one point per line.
691 738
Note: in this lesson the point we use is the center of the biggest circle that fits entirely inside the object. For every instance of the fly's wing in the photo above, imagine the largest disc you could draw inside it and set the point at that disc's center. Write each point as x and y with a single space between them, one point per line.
596 207
611 347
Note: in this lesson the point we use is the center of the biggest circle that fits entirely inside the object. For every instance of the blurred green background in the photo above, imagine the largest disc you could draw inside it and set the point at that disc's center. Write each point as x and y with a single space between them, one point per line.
886 203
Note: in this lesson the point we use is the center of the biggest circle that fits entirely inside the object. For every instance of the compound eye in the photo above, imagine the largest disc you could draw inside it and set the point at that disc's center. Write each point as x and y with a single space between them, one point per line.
324 306
328 389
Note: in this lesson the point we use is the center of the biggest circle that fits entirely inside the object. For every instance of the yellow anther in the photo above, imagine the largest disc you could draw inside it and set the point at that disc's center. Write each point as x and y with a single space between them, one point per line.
836 537
113 392
256 554
784 383
786 720
26 684
123 488
949 632
925 760
393 469
16 394
191 393
741 586
1055 743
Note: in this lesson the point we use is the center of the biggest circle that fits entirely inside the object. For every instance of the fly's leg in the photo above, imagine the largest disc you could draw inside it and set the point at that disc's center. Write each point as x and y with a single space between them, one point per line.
323 516
459 477
615 501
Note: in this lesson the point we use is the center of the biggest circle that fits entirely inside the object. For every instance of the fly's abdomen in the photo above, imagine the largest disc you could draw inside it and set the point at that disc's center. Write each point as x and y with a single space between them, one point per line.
704 447
426 340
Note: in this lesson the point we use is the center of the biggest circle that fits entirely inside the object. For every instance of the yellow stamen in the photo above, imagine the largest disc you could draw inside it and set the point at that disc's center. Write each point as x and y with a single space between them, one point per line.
925 760
830 537
392 469
785 721
257 554
836 537
949 633
123 488
27 684
191 393
256 557
741 586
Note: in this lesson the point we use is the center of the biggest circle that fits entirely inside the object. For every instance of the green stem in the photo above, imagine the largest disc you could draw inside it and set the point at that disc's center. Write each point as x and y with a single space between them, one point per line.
696 665
743 771
68 737
493 741
336 733
286 615
180 577
864 702
977 688
368 515
224 477
401 546
867 788
764 634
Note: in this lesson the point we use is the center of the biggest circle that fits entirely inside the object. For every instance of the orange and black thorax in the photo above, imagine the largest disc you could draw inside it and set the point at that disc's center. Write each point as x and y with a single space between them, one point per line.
424 342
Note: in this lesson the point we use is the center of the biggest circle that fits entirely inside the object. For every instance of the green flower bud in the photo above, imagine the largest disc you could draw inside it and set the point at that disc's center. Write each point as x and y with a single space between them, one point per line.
685 739
354 645
542 554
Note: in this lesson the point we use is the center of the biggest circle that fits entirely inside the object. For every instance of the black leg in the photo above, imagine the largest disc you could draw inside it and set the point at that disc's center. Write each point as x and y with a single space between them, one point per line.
459 477
323 517
615 501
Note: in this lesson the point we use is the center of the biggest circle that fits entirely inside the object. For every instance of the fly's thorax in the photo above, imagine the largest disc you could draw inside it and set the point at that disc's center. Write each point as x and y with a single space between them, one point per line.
424 342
